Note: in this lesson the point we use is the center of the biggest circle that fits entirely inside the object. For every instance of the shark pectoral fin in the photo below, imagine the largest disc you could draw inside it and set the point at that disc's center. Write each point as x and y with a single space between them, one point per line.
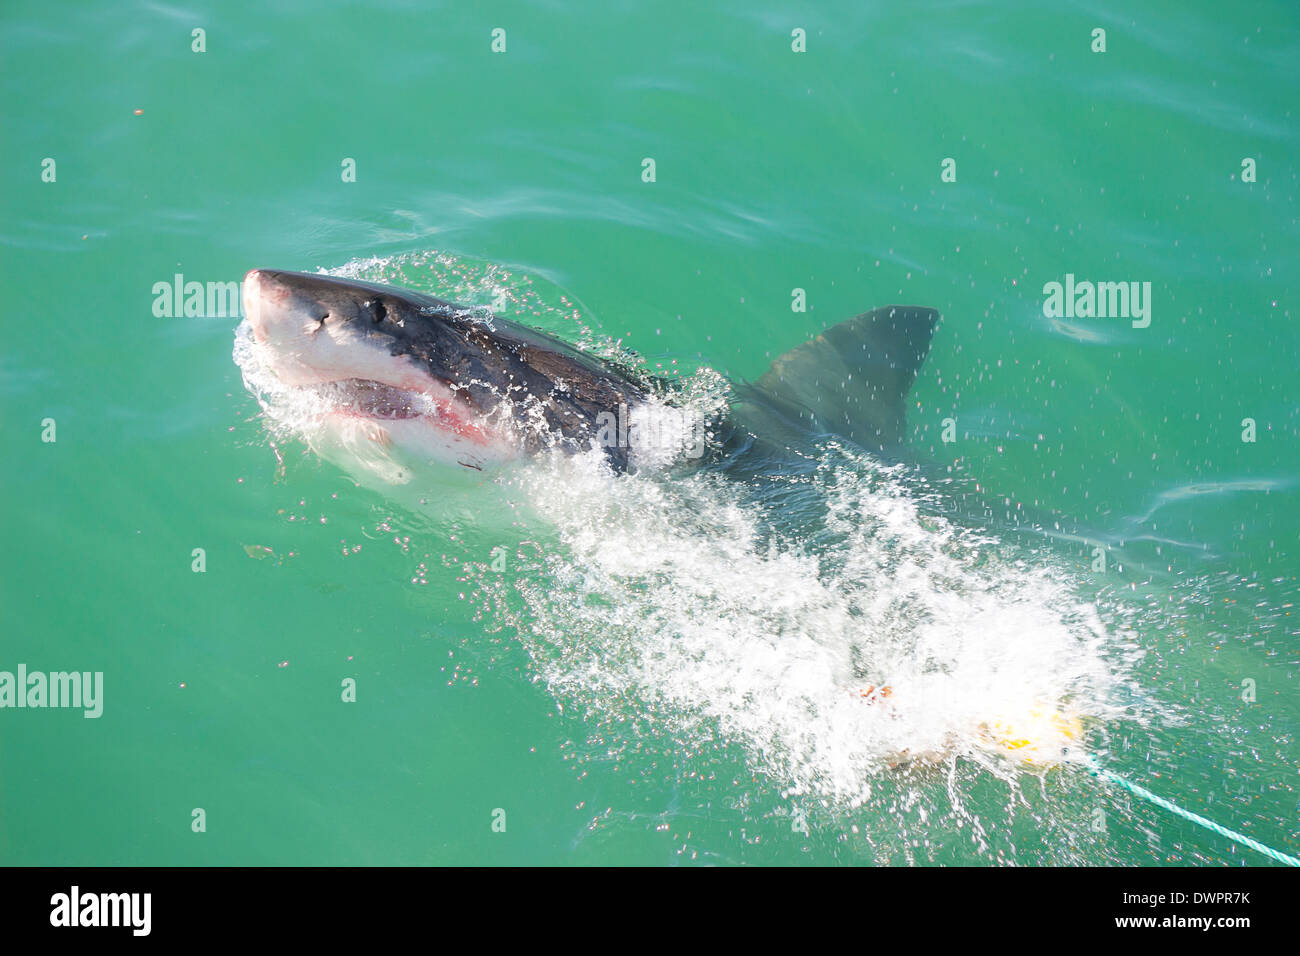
852 379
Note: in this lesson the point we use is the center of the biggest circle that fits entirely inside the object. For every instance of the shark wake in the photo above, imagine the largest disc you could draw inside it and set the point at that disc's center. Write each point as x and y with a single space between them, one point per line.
678 598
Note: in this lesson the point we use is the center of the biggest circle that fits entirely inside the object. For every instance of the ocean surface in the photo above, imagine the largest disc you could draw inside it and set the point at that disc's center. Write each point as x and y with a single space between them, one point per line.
560 666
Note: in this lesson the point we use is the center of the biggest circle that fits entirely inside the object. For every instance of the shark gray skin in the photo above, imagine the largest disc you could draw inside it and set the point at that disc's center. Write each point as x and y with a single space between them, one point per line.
483 389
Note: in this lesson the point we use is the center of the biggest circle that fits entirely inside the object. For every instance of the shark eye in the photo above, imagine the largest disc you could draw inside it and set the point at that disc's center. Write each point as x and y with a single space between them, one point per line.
380 310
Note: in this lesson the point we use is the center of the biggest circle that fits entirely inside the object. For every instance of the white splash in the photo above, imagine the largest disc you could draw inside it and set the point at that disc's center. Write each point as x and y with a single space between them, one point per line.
673 597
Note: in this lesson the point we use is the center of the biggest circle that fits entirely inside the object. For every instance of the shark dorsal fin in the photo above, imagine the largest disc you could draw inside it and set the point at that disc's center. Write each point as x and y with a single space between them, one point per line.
852 379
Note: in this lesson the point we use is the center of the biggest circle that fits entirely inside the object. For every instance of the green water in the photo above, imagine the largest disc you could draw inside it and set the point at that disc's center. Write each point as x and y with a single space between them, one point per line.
775 170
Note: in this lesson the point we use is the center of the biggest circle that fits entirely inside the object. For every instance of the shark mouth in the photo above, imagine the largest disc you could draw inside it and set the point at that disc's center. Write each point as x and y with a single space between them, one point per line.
370 399
388 428
366 398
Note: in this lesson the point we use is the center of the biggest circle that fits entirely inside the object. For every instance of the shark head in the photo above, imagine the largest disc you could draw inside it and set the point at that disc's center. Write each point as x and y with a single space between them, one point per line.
390 375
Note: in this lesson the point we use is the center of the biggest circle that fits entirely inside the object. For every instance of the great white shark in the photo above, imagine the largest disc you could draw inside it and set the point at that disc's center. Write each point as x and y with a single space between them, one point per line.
389 373
458 385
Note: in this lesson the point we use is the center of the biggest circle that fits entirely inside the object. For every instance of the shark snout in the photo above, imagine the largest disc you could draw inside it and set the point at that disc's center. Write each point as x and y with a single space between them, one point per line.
266 300
253 303
312 329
